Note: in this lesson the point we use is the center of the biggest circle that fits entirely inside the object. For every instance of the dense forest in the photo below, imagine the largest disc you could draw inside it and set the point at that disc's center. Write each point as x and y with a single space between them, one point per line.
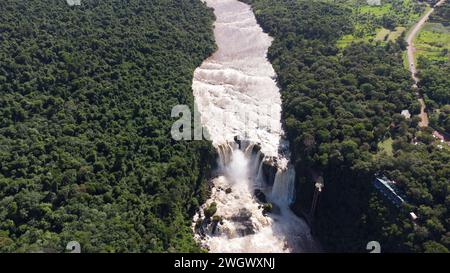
341 110
435 84
86 94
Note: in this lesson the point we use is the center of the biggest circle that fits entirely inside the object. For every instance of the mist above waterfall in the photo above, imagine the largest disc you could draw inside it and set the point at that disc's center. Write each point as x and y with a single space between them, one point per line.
237 171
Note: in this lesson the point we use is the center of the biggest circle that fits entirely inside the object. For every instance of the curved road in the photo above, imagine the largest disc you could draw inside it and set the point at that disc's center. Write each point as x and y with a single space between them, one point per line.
412 66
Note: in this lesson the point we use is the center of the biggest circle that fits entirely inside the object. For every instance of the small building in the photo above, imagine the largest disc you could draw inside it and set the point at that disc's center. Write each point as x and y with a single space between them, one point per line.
389 190
406 114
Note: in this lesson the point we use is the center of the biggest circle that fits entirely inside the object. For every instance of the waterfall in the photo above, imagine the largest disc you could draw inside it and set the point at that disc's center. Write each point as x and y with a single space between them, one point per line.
240 106
248 149
257 160
225 151
259 175
240 223
284 186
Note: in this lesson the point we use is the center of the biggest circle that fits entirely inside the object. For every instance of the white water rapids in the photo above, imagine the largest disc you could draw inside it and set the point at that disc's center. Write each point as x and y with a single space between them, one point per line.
237 96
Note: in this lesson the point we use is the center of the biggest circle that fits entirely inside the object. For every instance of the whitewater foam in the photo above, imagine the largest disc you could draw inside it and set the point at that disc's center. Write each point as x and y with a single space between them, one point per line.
237 97
234 89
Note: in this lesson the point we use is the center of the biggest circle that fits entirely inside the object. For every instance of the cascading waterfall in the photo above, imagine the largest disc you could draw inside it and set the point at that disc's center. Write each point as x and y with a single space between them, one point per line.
283 187
240 106
259 174
241 194
225 152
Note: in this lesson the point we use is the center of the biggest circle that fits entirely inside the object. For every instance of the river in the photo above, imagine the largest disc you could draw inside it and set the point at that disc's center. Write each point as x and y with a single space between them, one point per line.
240 106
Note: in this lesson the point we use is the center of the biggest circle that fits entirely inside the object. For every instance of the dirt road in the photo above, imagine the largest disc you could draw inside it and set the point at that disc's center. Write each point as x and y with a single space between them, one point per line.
413 65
